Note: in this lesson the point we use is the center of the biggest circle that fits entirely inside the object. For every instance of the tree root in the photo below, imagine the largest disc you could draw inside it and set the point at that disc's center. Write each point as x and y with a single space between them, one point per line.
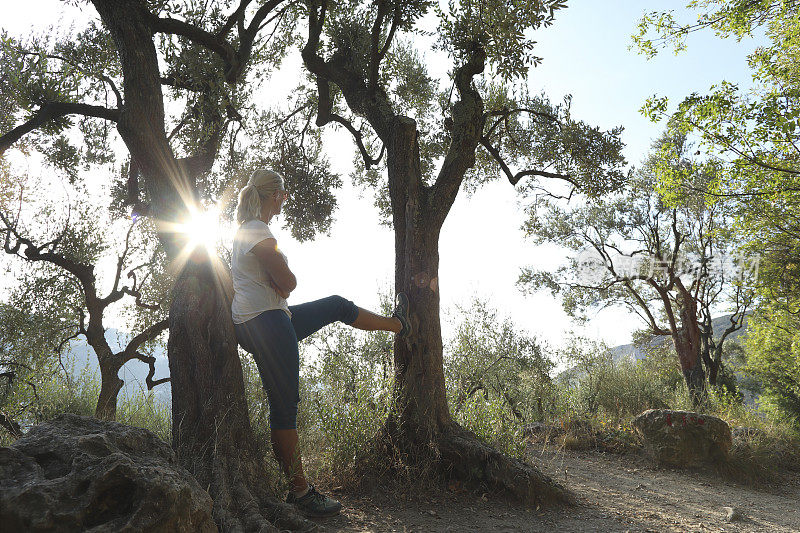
472 460
243 502
459 454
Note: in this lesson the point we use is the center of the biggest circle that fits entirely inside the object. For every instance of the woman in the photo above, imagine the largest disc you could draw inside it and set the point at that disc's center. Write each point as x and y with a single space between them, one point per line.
269 328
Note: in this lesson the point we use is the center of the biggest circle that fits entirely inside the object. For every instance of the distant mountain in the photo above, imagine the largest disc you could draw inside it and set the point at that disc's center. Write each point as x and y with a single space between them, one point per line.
631 351
134 373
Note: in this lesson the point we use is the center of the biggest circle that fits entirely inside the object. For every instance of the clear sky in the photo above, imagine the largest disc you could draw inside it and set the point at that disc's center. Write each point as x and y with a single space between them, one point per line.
482 247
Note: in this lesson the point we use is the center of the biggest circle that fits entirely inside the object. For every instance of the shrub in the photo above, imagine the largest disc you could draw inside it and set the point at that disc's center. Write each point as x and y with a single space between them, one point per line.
143 409
497 377
773 357
489 419
346 384
59 394
596 385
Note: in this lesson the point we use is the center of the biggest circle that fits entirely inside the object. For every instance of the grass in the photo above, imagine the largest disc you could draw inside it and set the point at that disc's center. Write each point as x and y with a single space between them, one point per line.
347 395
591 410
144 411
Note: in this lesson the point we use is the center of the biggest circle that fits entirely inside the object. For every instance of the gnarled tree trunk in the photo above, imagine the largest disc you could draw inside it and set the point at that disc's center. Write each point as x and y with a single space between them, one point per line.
211 427
211 431
420 422
687 345
110 385
421 402
711 354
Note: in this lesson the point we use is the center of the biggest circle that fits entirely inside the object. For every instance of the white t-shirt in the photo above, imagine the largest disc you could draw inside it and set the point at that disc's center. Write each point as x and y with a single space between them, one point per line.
252 294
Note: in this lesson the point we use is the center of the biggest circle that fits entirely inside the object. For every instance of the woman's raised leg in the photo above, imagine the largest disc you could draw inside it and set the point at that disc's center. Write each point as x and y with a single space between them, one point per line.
369 321
310 317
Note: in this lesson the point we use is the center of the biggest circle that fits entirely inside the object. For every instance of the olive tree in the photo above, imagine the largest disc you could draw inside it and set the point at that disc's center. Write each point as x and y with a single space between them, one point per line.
755 133
173 81
160 90
60 283
670 260
422 140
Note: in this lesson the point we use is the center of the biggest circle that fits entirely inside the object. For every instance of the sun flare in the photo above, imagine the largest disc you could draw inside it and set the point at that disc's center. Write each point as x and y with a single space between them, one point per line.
204 228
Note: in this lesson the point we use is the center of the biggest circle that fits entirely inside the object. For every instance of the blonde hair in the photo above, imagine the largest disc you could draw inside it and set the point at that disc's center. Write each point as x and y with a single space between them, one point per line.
262 184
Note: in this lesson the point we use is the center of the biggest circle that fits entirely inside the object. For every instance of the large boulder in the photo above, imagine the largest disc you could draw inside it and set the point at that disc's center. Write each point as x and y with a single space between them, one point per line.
76 473
683 438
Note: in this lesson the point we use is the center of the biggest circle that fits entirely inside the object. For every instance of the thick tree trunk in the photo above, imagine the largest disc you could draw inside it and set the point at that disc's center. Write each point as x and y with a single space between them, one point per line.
708 349
110 385
211 427
420 422
687 345
695 378
713 364
419 371
421 411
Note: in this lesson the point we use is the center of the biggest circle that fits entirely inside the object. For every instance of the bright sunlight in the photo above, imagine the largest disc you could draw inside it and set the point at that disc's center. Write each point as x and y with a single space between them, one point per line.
204 228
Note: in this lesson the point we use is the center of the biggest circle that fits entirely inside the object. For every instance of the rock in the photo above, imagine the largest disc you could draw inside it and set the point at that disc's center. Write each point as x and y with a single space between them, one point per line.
732 514
77 473
683 438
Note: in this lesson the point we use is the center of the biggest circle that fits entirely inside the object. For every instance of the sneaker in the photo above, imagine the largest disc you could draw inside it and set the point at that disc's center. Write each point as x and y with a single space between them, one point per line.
314 504
401 313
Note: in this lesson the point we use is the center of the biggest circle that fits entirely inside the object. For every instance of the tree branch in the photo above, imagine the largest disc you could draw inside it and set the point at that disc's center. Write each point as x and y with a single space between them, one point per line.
83 272
136 292
247 37
370 102
236 17
750 158
392 30
654 327
505 113
54 110
11 425
288 117
374 49
65 340
149 334
466 124
197 35
326 116
121 258
515 178
131 351
80 69
151 362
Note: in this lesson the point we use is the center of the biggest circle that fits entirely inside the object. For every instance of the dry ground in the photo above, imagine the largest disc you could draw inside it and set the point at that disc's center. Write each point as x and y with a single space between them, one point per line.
616 493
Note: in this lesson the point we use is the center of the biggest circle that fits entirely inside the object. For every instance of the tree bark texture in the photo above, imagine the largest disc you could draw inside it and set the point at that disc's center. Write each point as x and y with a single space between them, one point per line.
711 354
211 431
141 122
420 424
687 344
110 385
421 401
211 427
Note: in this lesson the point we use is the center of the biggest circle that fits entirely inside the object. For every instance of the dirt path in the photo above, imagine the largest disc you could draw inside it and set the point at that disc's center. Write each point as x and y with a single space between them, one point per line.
615 493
